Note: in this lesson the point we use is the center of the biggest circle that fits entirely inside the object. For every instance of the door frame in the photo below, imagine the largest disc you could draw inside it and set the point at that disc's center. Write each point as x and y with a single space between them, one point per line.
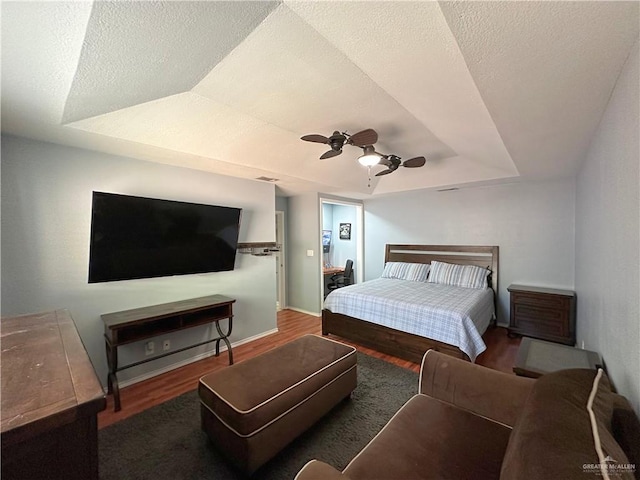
281 257
359 206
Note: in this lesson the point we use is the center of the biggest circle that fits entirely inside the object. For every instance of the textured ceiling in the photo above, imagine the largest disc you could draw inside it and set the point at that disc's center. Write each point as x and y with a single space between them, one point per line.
486 91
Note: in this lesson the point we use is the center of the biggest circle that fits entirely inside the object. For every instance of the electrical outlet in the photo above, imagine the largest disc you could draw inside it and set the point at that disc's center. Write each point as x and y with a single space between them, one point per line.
149 348
166 345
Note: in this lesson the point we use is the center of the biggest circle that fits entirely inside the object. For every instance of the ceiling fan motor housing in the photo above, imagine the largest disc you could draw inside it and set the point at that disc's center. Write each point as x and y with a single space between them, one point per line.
395 162
336 141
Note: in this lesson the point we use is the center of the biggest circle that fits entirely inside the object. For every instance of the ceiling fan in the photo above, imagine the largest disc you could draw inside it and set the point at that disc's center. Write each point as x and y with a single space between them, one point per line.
365 140
338 140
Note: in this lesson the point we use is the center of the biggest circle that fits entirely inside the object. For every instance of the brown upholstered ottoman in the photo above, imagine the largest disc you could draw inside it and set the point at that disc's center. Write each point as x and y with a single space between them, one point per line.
252 409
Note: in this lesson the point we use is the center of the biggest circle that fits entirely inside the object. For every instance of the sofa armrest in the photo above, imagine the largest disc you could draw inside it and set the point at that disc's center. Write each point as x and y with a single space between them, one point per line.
626 429
317 470
492 394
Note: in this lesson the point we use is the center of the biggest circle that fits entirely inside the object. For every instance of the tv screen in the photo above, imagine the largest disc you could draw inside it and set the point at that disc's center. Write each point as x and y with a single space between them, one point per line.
136 237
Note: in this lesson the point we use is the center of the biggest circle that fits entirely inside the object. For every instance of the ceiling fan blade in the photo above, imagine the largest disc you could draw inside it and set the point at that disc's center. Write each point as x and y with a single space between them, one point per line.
330 153
414 162
315 138
363 138
384 172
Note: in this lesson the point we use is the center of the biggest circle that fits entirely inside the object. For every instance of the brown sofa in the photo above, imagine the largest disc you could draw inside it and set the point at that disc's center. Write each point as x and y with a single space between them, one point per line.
470 422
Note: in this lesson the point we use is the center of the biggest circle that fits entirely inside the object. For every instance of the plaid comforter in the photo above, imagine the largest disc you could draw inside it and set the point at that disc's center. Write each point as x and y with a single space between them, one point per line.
454 315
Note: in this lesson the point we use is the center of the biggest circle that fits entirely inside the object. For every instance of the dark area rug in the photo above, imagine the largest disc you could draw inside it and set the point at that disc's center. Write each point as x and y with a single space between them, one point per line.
166 442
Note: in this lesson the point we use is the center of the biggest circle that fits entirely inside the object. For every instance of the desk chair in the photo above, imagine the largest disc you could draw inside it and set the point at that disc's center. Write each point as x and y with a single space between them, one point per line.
340 280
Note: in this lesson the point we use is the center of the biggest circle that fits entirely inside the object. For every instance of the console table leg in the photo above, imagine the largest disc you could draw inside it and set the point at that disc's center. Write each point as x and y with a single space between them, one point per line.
229 351
112 379
109 363
224 338
116 392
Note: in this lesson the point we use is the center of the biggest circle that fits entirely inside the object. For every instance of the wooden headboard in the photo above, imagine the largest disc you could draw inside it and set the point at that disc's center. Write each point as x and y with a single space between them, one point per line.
481 256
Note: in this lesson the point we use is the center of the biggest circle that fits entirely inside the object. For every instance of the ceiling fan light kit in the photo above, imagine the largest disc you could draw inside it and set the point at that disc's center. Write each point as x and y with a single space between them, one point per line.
369 157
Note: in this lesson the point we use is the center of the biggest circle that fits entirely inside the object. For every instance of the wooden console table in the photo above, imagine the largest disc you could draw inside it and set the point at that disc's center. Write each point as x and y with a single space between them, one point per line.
51 397
121 328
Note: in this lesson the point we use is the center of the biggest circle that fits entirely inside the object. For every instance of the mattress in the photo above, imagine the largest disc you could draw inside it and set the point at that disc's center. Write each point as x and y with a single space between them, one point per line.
454 315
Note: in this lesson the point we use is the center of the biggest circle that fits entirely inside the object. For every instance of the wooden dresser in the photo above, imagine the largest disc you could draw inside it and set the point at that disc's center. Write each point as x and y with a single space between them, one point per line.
50 400
544 313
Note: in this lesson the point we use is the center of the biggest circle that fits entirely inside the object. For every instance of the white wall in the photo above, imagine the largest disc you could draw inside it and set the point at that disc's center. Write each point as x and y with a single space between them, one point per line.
533 224
607 237
46 219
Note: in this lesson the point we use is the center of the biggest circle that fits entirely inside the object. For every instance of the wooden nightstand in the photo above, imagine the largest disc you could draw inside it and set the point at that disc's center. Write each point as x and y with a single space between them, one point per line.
545 313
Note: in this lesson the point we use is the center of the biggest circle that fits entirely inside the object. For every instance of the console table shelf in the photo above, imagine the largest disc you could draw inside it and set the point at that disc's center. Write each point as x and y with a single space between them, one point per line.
121 328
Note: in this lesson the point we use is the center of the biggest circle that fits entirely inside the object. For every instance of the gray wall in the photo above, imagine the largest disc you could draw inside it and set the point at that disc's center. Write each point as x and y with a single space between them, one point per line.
533 224
607 237
46 219
303 271
282 204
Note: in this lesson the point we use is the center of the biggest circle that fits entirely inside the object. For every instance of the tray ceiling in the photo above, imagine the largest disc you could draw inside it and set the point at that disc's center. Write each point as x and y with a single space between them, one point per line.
486 91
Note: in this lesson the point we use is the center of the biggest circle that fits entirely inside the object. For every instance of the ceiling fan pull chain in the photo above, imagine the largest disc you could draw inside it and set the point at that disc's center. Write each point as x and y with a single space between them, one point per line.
369 169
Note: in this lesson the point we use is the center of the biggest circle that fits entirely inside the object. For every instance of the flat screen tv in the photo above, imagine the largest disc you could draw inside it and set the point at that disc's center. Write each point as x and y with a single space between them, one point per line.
137 237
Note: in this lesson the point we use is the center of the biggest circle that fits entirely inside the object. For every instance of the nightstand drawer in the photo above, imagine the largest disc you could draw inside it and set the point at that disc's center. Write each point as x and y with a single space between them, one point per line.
537 325
536 299
522 311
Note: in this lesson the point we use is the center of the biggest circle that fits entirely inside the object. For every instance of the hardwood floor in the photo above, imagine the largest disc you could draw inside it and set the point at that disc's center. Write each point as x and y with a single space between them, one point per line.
500 355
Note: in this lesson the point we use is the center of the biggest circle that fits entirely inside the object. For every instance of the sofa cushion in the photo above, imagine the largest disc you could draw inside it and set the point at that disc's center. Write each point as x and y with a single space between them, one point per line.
428 438
564 430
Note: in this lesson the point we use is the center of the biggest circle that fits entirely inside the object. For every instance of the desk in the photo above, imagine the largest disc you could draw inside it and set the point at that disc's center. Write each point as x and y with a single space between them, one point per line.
51 397
537 357
327 272
332 270
139 324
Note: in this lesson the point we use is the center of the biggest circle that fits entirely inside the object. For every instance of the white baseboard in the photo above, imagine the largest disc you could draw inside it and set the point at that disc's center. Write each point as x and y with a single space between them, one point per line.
182 363
315 314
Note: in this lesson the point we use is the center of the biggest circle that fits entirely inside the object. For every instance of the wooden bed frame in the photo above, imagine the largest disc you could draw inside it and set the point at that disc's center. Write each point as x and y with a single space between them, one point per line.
406 345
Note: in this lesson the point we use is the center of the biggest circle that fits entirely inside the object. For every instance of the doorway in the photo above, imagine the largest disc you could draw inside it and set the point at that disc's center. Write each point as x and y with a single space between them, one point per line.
342 239
281 281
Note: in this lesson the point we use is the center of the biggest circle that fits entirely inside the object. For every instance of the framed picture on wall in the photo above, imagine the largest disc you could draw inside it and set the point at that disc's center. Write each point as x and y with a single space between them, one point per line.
345 231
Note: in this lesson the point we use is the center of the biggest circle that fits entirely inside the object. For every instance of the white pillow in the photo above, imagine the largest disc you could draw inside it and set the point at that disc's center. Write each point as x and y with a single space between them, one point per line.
468 276
416 272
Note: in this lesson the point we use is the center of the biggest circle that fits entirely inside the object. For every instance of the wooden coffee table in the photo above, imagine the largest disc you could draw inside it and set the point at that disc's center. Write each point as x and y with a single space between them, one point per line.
537 357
